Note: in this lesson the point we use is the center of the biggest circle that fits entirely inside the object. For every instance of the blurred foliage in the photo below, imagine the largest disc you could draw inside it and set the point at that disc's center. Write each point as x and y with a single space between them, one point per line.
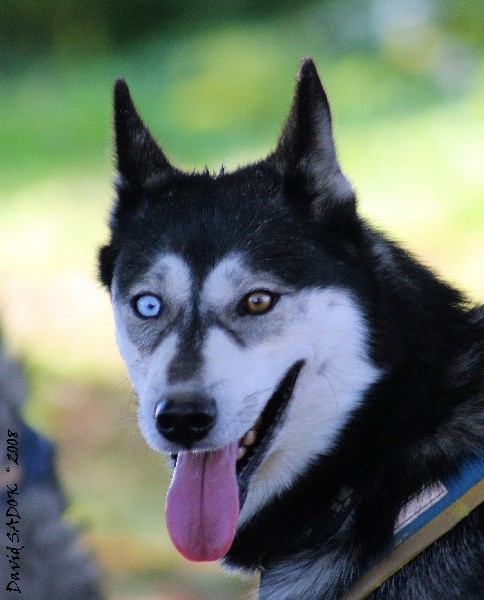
29 28
464 18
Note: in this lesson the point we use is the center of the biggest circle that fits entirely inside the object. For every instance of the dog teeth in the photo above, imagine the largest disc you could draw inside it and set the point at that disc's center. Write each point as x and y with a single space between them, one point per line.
249 438
241 452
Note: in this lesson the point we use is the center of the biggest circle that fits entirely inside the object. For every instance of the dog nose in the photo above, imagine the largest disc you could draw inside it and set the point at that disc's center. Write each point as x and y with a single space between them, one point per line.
185 418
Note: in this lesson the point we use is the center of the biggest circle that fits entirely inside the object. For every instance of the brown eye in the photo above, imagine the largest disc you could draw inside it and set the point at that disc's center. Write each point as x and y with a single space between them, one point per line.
258 302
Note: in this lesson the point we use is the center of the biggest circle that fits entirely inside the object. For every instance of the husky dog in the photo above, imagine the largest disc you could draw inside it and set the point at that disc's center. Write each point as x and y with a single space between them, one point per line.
289 356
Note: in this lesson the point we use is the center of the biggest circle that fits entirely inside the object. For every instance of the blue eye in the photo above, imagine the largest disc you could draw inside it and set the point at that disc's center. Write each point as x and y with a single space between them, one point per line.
147 306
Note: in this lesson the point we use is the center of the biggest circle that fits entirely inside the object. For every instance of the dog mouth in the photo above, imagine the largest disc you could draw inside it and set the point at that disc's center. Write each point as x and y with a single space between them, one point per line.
254 444
208 488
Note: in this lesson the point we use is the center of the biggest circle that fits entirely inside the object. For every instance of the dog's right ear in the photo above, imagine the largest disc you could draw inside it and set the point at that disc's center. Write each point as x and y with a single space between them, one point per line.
140 161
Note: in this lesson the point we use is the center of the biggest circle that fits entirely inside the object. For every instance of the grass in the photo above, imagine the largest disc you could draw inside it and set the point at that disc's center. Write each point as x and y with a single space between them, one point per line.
410 143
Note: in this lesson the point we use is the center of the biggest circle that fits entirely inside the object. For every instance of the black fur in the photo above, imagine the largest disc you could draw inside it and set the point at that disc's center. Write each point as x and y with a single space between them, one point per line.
295 213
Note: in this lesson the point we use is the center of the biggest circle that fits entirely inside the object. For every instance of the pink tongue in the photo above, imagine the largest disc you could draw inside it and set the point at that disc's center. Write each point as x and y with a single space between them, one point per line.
202 505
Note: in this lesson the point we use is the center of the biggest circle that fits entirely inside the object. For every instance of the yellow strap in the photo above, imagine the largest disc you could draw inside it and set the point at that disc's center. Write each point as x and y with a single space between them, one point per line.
411 547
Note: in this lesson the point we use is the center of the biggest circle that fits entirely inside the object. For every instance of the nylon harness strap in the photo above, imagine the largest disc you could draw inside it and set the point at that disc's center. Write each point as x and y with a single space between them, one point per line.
434 512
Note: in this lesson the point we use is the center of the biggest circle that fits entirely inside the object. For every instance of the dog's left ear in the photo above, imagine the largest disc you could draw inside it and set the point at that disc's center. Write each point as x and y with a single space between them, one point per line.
140 160
306 156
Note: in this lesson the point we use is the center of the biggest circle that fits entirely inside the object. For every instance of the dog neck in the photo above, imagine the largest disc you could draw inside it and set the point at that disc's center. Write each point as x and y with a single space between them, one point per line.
426 517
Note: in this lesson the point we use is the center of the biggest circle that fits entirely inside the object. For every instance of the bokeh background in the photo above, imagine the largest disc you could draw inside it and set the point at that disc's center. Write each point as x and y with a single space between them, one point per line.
214 81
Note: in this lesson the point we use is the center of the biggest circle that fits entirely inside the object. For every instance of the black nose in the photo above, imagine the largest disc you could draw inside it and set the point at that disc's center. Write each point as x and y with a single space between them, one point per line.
185 418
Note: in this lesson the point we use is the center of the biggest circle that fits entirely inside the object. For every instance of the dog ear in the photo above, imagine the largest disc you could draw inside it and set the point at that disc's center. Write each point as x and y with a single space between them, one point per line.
140 161
305 154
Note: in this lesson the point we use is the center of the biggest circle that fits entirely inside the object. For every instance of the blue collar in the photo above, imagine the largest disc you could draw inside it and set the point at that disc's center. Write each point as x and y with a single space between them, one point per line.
437 498
424 519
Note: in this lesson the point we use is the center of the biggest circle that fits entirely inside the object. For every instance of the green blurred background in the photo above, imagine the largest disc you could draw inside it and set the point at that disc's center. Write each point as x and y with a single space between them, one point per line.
214 82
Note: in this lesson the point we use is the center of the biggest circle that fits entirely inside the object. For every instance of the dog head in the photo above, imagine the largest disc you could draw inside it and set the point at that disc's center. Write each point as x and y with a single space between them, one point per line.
236 309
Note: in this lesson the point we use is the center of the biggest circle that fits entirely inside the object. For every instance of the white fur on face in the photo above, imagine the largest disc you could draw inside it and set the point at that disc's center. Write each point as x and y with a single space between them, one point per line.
170 279
337 371
245 359
324 328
